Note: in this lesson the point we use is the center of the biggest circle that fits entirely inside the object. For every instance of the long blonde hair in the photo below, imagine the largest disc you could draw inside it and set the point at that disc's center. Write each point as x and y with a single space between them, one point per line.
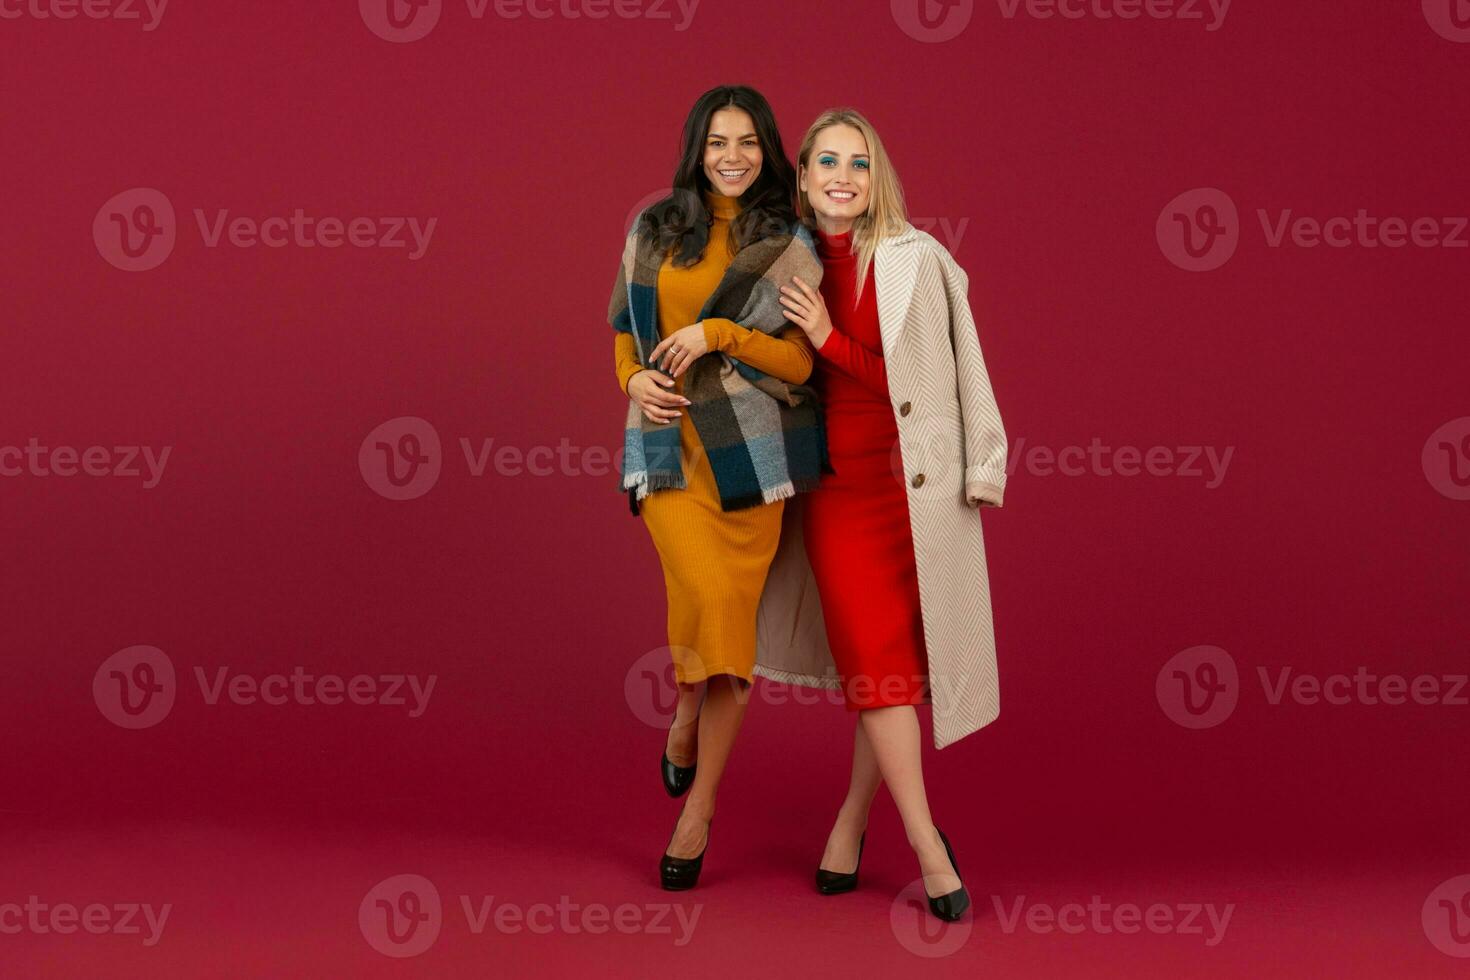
886 215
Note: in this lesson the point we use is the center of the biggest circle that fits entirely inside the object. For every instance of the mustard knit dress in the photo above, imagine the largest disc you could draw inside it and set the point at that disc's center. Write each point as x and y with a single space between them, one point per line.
715 562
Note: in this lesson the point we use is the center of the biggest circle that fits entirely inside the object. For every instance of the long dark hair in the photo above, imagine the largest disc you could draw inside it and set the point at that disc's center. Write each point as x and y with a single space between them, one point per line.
680 222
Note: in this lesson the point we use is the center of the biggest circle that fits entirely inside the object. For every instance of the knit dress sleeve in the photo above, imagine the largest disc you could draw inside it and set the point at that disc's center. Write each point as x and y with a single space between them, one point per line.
625 355
856 361
787 356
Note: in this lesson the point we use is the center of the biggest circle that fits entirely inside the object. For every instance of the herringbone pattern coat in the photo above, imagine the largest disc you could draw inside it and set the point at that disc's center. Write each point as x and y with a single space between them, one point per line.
952 460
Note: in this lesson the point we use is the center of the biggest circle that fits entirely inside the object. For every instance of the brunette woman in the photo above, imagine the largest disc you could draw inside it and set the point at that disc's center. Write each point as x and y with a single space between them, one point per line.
719 430
892 536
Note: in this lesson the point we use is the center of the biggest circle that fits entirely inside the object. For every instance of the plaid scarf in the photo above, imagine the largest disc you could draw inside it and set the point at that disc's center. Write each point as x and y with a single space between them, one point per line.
764 437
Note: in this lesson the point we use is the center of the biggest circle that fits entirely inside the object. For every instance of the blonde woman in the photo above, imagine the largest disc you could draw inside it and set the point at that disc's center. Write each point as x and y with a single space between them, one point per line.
916 446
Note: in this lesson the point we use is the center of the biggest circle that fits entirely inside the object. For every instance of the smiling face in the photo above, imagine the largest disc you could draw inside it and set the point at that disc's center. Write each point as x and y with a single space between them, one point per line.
835 178
732 152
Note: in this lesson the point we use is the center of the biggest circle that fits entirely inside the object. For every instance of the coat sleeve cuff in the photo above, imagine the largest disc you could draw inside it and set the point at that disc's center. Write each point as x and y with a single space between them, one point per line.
984 488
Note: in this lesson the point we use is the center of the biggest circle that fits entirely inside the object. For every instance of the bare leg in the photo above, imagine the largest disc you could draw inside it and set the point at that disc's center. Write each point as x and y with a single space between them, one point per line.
895 737
683 744
719 723
841 853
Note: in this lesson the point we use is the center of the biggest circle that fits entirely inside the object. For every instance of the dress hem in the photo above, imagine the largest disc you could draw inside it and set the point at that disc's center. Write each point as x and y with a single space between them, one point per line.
715 671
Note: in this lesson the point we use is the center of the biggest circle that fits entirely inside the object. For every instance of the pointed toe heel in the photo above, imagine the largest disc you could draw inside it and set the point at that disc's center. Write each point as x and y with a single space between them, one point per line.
952 905
837 882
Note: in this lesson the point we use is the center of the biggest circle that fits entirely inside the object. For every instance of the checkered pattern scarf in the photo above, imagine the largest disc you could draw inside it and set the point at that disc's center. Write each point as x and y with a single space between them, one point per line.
764 437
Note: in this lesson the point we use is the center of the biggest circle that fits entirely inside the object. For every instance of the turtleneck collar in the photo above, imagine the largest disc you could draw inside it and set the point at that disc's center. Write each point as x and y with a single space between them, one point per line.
834 245
721 206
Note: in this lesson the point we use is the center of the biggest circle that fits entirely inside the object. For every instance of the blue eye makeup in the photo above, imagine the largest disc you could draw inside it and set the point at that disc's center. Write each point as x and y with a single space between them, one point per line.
827 161
861 164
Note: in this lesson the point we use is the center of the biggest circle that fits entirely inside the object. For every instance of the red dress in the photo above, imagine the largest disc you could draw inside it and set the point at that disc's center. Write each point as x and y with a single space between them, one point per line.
856 524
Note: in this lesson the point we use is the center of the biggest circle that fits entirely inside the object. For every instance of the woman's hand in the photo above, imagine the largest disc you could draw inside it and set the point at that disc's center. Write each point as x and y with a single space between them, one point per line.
806 308
648 389
679 349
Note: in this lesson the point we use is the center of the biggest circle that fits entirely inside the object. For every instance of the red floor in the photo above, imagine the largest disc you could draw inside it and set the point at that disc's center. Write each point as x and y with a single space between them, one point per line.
286 904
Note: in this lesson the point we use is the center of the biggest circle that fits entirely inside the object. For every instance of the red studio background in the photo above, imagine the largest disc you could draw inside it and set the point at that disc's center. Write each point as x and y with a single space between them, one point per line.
1218 261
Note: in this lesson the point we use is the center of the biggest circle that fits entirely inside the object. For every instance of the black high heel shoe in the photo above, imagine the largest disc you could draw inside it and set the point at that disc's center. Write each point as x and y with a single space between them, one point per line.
680 874
952 905
837 882
677 779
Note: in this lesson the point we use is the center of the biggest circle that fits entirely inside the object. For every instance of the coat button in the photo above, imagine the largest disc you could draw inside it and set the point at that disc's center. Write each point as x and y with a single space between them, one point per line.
904 408
918 481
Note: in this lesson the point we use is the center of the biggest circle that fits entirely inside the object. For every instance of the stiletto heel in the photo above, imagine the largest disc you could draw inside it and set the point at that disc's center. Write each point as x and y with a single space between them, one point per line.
679 874
837 882
951 905
677 779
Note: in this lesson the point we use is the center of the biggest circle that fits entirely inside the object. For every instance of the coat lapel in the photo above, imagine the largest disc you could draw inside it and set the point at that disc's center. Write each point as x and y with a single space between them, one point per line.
895 269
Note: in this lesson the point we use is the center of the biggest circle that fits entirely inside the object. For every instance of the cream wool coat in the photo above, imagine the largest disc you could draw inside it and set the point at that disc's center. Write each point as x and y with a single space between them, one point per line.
953 450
